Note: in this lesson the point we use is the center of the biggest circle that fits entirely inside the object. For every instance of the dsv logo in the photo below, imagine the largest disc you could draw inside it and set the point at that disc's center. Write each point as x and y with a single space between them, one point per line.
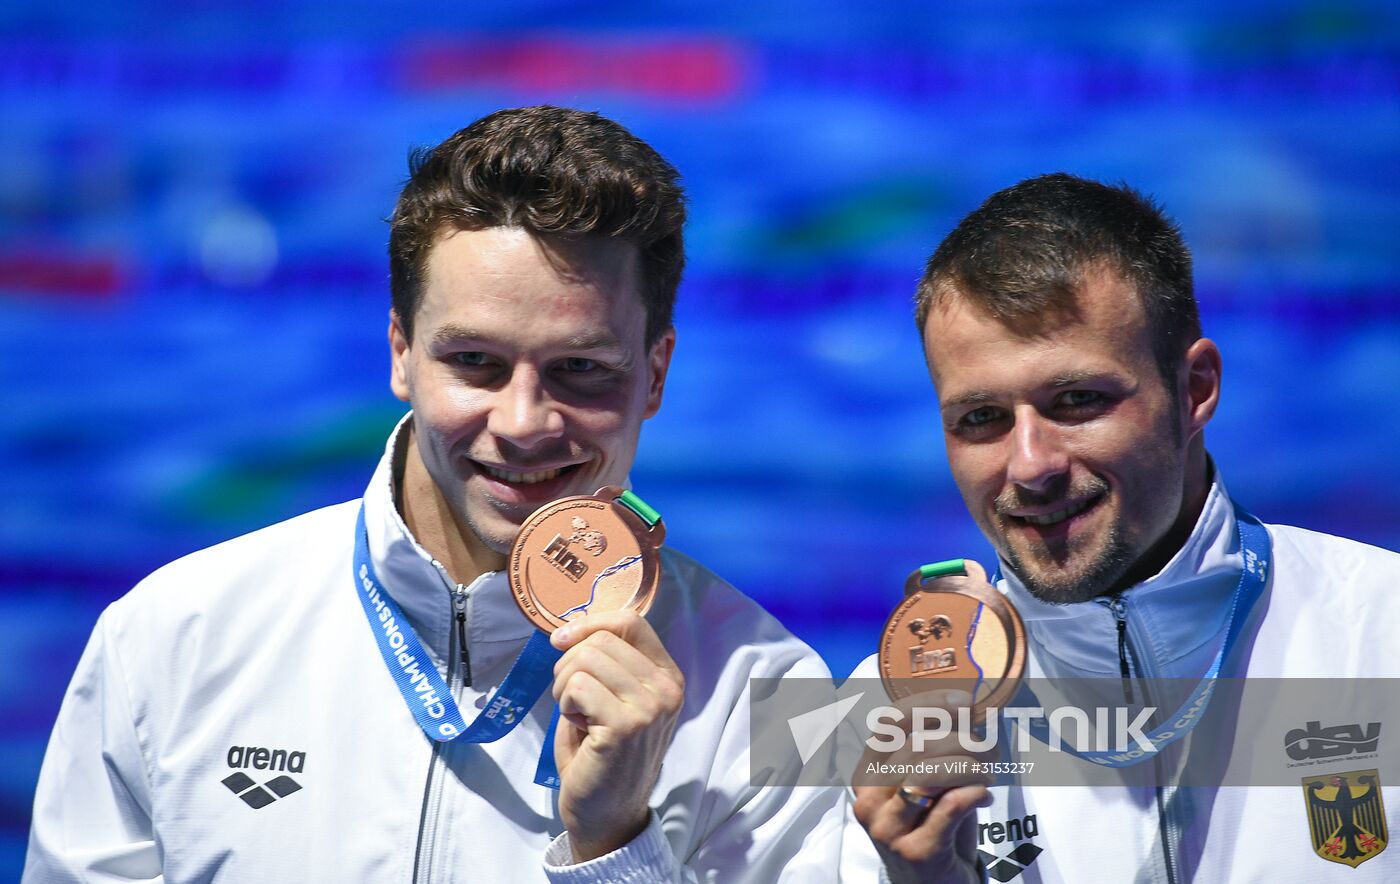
1315 741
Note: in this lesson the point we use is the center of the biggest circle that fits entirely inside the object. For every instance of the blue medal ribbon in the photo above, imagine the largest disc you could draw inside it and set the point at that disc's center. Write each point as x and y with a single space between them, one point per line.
423 689
1256 549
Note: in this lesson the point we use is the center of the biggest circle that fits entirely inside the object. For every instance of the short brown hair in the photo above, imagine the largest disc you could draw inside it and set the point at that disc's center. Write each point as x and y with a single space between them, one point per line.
552 171
1020 256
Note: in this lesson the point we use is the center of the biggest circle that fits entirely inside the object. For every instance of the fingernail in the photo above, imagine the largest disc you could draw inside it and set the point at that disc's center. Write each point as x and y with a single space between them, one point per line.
562 636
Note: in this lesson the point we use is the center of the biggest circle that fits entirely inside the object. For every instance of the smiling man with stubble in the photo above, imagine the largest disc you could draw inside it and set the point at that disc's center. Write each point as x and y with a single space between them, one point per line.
1074 385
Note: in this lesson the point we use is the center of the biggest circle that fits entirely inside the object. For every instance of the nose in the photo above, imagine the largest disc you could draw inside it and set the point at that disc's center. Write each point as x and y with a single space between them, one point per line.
1038 456
523 412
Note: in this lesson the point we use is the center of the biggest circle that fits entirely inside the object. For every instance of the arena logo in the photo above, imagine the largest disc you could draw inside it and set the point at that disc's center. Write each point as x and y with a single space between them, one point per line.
257 795
1020 858
266 759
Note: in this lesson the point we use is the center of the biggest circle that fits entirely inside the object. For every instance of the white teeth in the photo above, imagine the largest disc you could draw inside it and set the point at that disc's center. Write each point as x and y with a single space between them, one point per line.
520 478
1057 517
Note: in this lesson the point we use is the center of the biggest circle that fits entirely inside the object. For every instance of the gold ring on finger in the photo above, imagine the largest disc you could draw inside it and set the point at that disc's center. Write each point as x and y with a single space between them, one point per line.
915 799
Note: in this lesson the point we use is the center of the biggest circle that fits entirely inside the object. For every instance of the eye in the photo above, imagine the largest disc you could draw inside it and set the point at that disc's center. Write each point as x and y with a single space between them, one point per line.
983 423
978 417
470 358
578 365
1081 398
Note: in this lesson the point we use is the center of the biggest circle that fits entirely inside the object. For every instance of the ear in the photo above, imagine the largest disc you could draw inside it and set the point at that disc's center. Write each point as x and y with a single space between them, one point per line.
659 362
1200 384
398 358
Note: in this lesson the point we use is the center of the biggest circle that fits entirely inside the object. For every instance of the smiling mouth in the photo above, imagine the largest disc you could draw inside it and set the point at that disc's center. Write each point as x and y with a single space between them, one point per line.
1059 516
520 478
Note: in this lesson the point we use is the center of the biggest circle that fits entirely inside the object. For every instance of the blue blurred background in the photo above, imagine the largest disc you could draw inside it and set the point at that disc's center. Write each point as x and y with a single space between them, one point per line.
194 295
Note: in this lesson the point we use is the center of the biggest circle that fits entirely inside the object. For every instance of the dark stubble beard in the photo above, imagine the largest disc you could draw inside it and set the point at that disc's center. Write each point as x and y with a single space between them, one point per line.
1100 576
1093 580
1117 557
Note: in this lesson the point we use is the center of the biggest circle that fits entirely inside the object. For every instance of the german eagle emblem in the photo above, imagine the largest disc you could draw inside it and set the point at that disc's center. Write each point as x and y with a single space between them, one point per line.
1346 816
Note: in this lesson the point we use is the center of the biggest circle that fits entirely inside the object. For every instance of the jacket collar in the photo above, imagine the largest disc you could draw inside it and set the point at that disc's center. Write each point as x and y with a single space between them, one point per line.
1175 618
421 586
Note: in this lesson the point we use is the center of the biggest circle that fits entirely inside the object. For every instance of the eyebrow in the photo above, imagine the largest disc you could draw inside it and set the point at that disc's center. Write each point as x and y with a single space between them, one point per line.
452 332
599 340
977 397
1068 379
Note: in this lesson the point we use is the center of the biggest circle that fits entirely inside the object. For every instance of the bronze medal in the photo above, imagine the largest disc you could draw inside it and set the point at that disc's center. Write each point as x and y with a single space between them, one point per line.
588 553
953 624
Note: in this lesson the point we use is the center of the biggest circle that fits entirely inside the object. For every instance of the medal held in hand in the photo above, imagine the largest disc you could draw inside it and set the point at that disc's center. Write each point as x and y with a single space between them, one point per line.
953 624
583 554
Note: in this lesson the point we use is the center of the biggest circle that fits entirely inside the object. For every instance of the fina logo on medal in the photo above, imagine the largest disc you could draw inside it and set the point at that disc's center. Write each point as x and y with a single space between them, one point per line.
558 554
1346 816
926 661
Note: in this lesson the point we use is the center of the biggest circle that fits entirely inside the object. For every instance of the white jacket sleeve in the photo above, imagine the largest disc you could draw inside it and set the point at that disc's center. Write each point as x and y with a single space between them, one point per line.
814 829
773 834
92 810
806 833
646 859
768 834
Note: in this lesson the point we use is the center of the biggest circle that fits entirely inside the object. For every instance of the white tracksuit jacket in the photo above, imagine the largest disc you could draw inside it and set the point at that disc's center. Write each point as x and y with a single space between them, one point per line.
250 666
1329 610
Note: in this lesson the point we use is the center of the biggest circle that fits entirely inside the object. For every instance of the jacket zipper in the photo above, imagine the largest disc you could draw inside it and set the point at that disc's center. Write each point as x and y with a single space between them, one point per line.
1120 614
432 788
459 601
1166 823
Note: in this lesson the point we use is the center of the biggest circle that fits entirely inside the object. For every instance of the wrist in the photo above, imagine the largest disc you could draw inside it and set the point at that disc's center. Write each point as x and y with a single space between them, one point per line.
591 845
